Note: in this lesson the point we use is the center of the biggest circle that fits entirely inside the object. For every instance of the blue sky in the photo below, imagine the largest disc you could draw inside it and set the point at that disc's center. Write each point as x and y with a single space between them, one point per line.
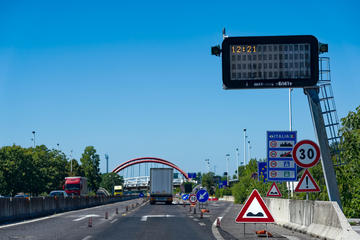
137 79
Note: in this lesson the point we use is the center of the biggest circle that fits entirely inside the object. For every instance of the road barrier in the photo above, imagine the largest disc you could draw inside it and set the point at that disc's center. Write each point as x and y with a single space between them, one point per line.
12 209
323 219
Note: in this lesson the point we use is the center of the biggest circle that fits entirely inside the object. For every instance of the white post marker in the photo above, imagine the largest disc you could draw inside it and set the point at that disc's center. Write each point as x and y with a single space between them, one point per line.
306 153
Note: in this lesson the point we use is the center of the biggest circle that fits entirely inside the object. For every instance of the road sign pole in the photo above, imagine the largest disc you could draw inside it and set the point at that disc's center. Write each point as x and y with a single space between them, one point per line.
319 125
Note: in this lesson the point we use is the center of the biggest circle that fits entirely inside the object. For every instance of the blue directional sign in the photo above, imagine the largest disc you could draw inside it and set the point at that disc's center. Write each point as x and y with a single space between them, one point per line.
202 195
192 175
185 197
141 195
262 171
280 165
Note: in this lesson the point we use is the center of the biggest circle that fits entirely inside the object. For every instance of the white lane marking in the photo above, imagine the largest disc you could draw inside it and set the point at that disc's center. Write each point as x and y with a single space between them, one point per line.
113 220
144 218
191 216
85 216
87 237
214 229
291 237
195 219
202 224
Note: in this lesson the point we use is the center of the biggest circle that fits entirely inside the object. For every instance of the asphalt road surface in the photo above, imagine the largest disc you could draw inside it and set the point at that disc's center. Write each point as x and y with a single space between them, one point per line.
143 221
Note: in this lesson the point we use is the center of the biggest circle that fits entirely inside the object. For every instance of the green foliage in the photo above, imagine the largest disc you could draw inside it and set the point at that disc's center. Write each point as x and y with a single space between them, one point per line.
90 162
208 181
248 182
109 180
31 170
348 176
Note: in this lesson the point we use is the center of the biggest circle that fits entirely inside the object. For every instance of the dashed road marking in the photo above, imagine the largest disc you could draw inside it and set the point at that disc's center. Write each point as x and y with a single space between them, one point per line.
87 237
85 216
291 237
202 224
113 220
195 219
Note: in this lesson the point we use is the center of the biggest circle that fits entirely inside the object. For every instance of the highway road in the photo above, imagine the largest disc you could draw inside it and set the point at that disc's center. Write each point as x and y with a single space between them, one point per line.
144 221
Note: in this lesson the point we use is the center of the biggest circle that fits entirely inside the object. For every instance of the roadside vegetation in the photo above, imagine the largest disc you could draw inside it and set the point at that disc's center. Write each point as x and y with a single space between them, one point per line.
39 170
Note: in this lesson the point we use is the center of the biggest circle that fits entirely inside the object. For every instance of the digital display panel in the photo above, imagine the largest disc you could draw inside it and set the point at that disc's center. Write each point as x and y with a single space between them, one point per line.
270 62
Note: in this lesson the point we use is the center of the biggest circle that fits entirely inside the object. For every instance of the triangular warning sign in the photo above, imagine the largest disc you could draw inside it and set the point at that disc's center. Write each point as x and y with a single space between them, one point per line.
254 210
274 191
307 183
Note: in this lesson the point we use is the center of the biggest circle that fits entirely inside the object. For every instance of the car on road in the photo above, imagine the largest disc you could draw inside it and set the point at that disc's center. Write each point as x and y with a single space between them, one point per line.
58 193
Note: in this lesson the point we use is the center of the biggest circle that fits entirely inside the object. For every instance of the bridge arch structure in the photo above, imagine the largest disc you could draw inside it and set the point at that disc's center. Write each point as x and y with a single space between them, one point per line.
135 161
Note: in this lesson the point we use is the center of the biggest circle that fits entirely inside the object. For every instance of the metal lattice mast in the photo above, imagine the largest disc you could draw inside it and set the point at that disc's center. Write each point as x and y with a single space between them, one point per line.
327 101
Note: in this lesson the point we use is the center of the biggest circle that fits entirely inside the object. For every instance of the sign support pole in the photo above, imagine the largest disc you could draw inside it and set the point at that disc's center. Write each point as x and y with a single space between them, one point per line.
320 131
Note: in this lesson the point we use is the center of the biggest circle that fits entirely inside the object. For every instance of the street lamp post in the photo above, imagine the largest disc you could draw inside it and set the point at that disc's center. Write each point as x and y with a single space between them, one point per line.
249 147
227 168
245 147
237 163
33 132
208 164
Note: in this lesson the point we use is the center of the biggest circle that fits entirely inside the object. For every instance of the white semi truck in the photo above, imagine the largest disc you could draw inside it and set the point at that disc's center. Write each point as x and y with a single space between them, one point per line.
161 185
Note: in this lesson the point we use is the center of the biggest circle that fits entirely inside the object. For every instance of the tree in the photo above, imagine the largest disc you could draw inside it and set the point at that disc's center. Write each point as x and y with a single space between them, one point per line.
208 181
109 180
90 164
348 175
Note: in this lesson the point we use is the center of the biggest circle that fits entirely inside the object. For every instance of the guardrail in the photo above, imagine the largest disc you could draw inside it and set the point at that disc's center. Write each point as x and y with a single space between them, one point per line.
12 209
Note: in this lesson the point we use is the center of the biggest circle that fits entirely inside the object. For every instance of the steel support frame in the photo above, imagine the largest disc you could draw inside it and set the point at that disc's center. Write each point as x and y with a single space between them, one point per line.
320 131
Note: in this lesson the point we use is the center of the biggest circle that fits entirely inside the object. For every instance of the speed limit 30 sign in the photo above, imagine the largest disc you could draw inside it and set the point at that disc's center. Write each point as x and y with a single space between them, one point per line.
306 153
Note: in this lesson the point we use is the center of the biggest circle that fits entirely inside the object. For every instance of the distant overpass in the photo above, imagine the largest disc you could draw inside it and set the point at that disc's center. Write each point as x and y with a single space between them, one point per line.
142 182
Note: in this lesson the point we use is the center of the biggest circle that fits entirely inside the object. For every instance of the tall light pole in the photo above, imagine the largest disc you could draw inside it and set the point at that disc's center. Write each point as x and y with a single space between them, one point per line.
33 132
249 147
208 164
245 147
107 163
227 168
290 109
71 161
237 163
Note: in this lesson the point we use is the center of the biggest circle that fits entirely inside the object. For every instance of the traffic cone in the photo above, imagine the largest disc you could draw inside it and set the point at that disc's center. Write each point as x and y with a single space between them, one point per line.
218 222
90 222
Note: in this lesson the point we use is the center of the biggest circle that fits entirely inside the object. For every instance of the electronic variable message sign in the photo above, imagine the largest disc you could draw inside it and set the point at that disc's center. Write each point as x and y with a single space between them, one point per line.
270 62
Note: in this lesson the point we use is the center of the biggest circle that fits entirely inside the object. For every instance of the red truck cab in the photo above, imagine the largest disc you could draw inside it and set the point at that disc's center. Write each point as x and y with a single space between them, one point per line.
76 186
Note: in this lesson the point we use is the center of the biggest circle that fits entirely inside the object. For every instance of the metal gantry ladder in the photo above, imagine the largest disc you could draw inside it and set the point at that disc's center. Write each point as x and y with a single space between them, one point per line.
327 101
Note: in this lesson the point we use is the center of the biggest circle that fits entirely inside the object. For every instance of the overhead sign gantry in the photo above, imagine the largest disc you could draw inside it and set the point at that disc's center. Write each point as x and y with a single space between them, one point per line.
280 62
270 62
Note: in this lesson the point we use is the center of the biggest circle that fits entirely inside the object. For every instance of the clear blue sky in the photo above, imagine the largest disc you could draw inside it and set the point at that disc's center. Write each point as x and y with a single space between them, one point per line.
137 79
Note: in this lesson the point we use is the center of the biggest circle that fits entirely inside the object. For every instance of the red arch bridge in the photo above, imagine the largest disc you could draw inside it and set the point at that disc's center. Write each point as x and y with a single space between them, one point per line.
136 171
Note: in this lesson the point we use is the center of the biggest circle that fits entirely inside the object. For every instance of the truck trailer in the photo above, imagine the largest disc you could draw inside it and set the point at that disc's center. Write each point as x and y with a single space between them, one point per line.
161 185
76 186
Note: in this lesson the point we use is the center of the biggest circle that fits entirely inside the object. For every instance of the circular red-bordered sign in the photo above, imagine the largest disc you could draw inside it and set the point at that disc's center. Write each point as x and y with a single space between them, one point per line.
273 174
192 198
273 164
306 153
273 154
273 144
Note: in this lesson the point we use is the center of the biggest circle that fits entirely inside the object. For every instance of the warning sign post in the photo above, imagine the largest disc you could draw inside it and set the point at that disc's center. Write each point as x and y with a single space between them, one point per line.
254 210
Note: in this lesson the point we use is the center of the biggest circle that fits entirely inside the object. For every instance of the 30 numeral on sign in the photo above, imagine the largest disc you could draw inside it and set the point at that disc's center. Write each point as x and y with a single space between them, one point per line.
306 153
